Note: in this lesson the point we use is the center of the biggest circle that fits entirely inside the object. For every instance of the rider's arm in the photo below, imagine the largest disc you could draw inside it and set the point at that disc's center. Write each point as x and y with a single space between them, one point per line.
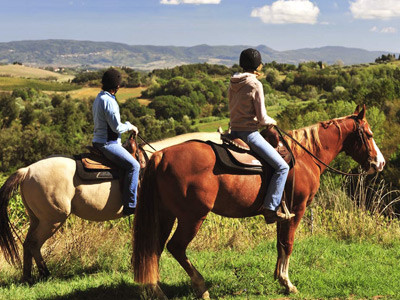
259 106
112 115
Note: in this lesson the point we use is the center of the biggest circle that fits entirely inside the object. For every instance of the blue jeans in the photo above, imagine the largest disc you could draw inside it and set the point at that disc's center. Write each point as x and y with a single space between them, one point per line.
123 159
281 169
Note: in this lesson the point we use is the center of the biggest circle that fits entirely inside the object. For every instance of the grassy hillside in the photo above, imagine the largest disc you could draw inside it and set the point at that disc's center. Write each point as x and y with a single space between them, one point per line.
29 72
12 83
122 95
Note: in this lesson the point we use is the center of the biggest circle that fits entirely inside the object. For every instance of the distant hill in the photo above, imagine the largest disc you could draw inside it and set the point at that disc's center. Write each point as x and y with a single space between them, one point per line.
101 54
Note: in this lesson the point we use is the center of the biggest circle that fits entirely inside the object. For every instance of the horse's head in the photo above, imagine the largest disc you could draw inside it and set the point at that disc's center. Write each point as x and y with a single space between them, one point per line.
136 150
360 144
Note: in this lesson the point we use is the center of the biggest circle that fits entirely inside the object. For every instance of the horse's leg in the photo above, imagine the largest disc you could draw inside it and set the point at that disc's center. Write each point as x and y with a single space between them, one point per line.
35 240
166 222
184 234
285 232
27 262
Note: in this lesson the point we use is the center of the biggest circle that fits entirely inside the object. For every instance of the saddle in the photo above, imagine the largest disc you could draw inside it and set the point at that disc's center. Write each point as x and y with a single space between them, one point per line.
235 155
95 166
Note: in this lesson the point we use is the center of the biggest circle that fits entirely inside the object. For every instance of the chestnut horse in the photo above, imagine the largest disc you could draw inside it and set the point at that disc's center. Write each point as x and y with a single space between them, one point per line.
184 182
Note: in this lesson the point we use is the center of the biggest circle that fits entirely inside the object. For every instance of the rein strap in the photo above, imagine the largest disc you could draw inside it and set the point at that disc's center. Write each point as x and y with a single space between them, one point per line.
312 155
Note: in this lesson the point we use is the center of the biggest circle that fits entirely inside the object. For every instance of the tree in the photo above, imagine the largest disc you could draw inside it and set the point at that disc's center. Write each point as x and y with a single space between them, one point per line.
8 109
27 115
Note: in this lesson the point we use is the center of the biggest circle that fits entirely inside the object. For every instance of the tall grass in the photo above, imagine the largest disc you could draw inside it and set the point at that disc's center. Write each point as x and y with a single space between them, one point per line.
352 221
356 209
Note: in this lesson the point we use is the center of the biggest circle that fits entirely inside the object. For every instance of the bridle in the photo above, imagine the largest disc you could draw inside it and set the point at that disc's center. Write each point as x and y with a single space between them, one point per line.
361 133
364 139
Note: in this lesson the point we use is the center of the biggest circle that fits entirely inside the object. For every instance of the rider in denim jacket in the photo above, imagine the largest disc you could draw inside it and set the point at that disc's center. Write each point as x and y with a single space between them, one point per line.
107 137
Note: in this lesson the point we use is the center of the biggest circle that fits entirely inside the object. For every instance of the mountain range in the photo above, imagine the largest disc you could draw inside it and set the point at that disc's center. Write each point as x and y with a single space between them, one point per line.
68 53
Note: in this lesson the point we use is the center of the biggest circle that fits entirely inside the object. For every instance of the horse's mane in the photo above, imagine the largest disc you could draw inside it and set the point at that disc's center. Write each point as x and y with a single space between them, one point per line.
309 136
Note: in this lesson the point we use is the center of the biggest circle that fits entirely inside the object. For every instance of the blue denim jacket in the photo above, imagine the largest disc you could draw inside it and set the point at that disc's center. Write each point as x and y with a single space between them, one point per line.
107 119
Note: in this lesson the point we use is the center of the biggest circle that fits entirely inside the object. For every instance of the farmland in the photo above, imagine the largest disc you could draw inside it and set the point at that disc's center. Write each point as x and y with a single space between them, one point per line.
33 73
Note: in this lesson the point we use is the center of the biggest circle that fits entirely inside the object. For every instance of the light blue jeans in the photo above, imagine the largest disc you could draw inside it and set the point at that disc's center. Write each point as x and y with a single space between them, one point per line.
281 169
123 159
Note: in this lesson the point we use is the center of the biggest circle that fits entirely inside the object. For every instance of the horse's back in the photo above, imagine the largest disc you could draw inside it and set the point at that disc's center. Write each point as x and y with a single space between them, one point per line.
201 136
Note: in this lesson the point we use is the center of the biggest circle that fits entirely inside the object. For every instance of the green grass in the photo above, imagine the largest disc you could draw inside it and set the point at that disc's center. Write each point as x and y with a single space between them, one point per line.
211 124
321 268
11 83
29 72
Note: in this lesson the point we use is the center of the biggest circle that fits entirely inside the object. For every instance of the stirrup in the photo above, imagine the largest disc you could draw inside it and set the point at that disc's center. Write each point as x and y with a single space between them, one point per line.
286 211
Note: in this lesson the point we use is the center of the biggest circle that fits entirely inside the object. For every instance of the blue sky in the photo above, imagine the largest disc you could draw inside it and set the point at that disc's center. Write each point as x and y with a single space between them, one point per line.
279 24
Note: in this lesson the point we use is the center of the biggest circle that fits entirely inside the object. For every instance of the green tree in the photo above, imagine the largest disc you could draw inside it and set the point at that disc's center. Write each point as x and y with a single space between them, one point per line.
9 110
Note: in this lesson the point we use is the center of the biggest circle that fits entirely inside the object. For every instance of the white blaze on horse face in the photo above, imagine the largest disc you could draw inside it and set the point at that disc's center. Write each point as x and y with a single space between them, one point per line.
379 161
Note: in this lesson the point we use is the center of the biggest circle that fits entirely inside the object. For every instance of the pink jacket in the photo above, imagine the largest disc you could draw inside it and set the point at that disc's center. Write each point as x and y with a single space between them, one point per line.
246 103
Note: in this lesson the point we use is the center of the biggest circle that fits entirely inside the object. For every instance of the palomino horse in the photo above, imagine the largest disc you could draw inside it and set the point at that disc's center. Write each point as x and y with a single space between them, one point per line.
51 191
184 182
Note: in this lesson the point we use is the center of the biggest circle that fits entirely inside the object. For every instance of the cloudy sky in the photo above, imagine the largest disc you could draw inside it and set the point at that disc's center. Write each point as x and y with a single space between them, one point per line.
279 24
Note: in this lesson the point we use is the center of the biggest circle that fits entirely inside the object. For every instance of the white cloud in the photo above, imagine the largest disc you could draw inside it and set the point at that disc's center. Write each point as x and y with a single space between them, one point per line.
383 30
389 30
176 2
288 11
373 9
374 29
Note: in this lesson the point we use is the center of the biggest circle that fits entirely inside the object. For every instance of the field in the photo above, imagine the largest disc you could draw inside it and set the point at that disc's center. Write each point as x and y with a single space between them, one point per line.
34 73
341 251
321 267
10 83
122 95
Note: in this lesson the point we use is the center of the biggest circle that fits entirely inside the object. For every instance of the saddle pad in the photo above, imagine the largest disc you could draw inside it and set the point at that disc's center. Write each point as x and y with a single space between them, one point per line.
87 174
228 161
92 167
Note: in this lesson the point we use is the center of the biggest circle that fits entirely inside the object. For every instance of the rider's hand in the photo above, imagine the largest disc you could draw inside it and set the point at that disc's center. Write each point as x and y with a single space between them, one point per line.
133 128
270 121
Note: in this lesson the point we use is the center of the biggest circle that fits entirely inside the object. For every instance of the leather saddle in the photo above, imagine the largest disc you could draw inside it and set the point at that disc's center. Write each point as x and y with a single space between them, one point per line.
235 155
95 166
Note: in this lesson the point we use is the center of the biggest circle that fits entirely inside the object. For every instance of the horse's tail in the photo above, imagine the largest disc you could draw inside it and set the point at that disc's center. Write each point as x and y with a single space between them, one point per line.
146 228
7 241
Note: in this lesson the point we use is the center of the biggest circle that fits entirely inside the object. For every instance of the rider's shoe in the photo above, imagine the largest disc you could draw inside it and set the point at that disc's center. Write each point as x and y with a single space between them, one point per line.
127 211
275 216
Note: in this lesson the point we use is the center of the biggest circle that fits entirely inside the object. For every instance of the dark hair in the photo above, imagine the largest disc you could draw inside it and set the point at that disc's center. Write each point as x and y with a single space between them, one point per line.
111 79
250 59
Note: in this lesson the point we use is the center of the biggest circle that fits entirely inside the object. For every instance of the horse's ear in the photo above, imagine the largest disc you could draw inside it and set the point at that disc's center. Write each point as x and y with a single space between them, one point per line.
357 110
361 114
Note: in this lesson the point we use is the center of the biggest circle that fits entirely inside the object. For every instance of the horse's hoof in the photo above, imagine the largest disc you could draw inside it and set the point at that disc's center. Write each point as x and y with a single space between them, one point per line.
28 280
153 291
205 295
291 290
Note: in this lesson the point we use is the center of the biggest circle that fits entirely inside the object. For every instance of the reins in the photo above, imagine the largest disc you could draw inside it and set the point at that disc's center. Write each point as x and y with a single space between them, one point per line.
329 168
146 142
316 158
